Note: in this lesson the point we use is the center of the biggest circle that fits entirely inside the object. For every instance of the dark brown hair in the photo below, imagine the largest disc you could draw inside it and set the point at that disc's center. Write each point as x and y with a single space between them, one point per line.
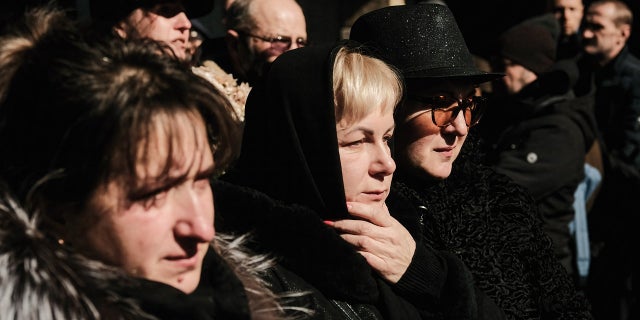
74 114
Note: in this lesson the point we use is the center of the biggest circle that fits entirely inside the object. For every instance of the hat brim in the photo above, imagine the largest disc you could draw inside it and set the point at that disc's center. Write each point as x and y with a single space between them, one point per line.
197 8
470 77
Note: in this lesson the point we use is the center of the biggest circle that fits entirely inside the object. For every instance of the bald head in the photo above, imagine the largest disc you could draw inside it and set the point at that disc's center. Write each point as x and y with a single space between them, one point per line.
260 30
279 17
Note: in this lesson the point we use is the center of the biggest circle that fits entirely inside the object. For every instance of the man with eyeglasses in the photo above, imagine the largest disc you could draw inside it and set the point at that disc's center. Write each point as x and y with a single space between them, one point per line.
466 208
258 31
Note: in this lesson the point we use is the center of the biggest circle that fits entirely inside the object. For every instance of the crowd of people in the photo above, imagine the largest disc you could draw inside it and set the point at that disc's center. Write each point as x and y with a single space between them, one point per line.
148 172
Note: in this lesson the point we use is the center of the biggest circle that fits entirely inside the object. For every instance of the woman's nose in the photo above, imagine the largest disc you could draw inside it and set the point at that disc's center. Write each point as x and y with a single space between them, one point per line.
458 125
182 22
195 216
384 163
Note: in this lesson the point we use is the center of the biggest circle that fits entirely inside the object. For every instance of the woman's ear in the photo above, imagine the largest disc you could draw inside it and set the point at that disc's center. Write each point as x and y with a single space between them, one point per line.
58 222
121 29
56 227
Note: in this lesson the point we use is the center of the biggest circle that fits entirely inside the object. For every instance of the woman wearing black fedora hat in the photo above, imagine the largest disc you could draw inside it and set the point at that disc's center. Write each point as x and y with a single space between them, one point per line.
464 208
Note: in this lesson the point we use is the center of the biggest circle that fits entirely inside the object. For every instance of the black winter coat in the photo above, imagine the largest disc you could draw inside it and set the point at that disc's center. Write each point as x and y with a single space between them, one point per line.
493 225
539 138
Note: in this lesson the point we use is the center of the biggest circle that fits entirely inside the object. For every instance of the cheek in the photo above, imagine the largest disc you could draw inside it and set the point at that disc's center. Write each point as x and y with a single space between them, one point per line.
158 31
353 172
419 128
207 201
268 54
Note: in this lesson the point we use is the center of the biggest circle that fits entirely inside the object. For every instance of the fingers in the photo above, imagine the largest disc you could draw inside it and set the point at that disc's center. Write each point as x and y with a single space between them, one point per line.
356 227
388 264
386 244
388 250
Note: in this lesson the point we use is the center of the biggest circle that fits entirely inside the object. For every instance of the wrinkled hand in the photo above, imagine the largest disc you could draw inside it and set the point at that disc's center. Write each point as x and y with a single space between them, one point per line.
386 244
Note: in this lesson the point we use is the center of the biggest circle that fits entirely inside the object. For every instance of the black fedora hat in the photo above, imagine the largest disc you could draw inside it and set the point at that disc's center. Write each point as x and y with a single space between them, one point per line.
112 11
421 40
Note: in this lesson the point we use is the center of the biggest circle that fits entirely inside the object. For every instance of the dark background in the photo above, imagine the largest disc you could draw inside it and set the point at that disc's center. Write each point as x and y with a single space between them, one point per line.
480 21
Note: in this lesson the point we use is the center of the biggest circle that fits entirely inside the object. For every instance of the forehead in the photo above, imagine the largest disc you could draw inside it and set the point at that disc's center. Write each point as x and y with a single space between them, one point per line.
568 3
425 87
175 143
601 11
287 19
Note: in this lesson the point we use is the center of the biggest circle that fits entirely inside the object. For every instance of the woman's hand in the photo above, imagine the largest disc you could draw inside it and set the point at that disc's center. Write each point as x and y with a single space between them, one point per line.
381 239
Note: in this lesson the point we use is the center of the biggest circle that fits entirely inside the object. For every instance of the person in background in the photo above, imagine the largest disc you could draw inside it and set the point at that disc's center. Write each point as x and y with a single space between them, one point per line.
317 138
160 20
109 149
463 207
257 32
167 21
536 132
612 74
569 14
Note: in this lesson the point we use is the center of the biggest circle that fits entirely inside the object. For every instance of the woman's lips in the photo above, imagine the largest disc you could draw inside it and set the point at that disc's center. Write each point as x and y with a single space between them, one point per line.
377 195
184 261
447 151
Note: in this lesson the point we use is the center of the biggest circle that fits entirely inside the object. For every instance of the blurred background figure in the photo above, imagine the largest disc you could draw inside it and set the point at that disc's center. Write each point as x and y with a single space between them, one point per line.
257 32
609 70
536 132
569 14
161 20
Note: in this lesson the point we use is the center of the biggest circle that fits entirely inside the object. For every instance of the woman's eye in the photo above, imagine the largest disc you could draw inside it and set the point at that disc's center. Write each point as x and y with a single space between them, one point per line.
354 143
201 184
387 138
153 198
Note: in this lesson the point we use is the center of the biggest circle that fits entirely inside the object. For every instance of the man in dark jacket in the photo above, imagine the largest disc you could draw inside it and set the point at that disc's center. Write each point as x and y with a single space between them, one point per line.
537 133
610 71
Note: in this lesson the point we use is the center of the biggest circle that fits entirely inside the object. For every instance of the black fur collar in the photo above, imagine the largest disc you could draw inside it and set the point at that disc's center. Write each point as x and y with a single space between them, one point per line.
298 238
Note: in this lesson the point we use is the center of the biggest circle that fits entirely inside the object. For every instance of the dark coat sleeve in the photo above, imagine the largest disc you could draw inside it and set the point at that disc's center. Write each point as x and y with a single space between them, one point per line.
438 279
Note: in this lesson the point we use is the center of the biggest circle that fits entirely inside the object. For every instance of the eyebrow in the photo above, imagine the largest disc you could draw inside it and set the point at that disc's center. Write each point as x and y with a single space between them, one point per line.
207 172
167 181
366 130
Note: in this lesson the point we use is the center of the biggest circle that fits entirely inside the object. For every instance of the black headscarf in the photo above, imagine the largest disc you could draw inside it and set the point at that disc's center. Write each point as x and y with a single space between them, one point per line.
290 147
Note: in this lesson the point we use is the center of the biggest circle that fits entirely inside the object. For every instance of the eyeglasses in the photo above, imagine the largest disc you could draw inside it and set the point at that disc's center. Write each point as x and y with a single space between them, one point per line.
443 112
279 43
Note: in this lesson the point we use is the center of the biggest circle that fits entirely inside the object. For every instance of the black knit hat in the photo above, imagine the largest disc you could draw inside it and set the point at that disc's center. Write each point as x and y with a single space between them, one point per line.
422 40
112 11
529 45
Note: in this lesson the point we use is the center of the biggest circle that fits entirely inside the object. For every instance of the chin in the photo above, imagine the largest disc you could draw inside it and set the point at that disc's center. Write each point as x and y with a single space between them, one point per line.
187 283
440 173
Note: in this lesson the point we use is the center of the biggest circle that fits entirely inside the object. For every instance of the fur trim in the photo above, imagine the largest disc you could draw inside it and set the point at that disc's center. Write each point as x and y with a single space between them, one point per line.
250 269
298 238
40 279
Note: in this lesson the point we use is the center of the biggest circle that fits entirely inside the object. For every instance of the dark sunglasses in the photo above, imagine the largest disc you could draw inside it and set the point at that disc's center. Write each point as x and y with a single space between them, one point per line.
444 112
279 43
167 10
